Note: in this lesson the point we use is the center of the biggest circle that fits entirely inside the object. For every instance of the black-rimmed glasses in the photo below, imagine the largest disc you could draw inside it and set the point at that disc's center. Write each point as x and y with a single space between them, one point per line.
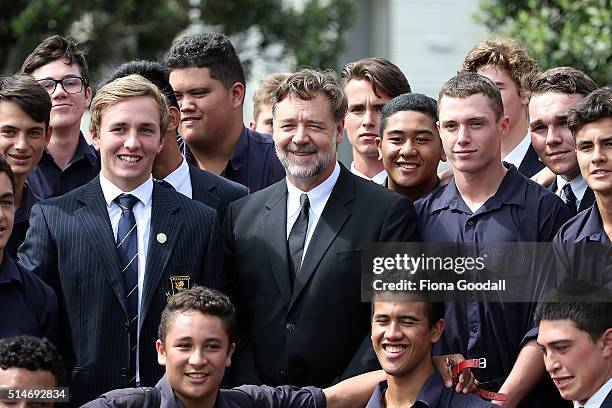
71 85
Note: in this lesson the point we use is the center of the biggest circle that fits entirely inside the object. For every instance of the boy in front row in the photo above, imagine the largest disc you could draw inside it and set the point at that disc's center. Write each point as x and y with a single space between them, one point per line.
195 346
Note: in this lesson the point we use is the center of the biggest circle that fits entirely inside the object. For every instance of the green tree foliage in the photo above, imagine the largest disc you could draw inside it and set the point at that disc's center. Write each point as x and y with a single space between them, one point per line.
113 31
575 33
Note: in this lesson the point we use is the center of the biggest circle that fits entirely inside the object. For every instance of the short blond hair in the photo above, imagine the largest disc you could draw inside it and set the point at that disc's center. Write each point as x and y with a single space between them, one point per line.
130 86
266 90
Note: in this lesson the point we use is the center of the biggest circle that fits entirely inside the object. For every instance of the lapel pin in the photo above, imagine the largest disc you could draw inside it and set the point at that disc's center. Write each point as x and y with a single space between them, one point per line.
162 238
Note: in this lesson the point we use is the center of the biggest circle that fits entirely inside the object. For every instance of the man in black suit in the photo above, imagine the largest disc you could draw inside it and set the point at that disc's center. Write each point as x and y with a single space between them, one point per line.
293 249
169 165
553 93
118 247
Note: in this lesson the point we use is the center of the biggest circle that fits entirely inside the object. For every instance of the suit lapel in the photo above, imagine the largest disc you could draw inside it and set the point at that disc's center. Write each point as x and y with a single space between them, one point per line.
165 227
334 215
97 228
274 228
202 189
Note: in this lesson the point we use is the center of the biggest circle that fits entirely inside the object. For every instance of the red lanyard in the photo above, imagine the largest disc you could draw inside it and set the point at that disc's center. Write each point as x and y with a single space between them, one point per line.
474 363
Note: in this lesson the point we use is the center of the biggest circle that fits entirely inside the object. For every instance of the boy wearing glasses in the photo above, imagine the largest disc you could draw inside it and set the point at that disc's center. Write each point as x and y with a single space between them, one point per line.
68 161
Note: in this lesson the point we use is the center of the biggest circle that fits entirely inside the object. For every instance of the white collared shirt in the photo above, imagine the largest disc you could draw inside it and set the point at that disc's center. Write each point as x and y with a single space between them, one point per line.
142 214
380 178
598 398
180 179
578 185
317 197
517 154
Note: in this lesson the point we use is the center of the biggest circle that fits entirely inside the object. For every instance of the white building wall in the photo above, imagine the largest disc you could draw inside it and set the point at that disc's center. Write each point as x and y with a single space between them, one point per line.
429 39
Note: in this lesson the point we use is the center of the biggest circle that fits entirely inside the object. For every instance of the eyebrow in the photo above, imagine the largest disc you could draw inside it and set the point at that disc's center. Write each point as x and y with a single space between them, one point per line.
583 142
536 122
11 127
401 131
6 195
64 77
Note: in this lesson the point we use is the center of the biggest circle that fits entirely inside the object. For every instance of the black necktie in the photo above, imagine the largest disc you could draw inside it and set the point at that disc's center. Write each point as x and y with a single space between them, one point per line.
127 247
297 238
570 198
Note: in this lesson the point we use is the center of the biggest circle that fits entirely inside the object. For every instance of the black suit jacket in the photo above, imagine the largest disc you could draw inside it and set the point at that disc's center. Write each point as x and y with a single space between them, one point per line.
70 244
309 335
587 199
607 402
214 191
531 163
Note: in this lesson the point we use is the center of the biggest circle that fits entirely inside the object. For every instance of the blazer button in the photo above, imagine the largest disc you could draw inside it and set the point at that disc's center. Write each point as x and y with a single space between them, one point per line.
126 326
290 327
124 372
283 374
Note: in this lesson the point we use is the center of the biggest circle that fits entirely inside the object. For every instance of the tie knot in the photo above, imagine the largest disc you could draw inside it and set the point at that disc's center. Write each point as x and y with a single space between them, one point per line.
304 203
126 201
569 194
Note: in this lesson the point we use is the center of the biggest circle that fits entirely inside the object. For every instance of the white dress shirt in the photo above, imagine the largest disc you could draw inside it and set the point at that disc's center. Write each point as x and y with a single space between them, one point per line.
180 179
142 214
598 398
578 185
380 178
517 154
317 197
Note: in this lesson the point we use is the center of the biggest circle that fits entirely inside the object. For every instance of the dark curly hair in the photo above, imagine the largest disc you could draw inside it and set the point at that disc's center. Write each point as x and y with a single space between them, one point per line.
34 354
207 50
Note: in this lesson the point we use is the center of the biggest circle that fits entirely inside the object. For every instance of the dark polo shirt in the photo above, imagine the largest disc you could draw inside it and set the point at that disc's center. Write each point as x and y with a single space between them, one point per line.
584 250
253 164
246 396
520 211
433 395
48 180
28 305
21 222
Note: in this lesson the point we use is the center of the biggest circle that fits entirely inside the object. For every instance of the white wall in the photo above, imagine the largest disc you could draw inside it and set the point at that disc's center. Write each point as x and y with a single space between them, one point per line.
429 39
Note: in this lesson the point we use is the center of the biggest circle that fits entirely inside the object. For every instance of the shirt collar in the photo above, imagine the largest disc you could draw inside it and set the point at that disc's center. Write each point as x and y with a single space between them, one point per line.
517 154
143 192
239 156
598 398
84 150
178 176
593 229
28 199
9 270
168 398
429 394
241 151
578 185
512 190
380 178
317 196
431 390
